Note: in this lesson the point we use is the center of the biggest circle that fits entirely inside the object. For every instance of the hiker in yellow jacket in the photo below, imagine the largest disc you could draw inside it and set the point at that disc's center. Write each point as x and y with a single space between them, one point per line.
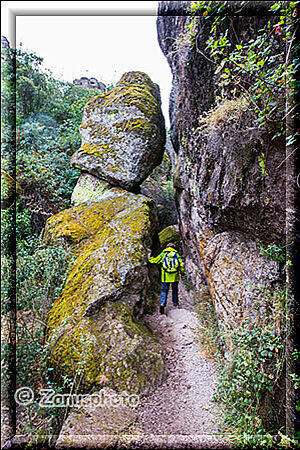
172 267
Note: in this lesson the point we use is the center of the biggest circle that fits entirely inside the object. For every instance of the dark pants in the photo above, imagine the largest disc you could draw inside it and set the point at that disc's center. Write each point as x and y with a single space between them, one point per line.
164 293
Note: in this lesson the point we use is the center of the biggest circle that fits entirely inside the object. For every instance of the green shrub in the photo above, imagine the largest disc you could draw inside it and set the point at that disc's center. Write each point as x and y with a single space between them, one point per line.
41 165
248 378
273 251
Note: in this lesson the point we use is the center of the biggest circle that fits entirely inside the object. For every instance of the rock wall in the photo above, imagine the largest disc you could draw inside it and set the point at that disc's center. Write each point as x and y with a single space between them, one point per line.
226 200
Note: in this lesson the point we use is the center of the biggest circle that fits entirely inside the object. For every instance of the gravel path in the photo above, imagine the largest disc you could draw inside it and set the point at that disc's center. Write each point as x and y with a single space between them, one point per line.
181 411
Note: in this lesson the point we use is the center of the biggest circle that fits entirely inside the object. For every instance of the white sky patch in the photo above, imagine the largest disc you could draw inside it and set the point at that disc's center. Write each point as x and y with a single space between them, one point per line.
102 46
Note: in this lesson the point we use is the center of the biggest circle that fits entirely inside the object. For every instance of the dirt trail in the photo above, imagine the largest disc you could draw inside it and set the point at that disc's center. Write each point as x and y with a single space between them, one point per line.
181 412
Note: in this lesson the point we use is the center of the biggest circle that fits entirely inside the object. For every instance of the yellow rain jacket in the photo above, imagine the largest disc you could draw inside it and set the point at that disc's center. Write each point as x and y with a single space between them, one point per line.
167 277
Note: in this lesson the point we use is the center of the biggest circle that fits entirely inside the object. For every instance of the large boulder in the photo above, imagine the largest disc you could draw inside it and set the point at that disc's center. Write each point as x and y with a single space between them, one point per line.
123 132
242 281
92 327
169 234
90 189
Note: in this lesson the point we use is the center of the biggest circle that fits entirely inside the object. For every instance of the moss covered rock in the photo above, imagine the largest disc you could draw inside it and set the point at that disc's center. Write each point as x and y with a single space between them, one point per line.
92 327
110 344
169 234
10 190
123 132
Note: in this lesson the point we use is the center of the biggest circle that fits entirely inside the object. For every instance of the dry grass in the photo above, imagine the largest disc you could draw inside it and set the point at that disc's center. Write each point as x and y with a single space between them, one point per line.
207 333
228 111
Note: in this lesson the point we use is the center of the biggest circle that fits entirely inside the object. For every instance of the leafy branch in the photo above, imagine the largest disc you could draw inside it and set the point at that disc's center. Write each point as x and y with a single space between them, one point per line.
256 66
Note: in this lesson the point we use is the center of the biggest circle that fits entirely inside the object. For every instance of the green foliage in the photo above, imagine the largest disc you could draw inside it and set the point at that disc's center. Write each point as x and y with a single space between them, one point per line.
38 142
257 68
41 165
262 164
275 252
40 121
74 99
48 118
251 373
40 276
37 92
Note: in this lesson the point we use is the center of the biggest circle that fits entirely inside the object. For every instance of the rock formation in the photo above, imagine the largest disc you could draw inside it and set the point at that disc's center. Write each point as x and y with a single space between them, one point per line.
94 331
123 133
90 83
226 199
4 42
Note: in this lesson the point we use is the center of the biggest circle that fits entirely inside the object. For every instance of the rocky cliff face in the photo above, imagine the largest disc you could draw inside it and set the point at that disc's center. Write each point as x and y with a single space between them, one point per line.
227 197
94 332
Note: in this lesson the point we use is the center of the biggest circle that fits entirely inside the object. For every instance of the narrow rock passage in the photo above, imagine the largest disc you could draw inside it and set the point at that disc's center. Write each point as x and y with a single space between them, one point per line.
181 411
179 414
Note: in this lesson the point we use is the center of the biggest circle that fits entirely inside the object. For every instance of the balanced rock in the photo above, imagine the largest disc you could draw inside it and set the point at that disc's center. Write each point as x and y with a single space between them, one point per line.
92 327
123 132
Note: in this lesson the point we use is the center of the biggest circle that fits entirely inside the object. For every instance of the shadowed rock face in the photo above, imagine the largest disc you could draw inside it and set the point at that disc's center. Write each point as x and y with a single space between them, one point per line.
123 133
226 196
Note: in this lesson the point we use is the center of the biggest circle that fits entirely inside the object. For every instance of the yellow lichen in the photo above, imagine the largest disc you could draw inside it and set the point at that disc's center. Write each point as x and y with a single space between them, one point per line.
89 350
115 231
96 150
134 88
138 124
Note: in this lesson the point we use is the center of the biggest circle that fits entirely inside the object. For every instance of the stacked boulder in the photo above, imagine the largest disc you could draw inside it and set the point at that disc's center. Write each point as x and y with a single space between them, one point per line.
94 332
123 133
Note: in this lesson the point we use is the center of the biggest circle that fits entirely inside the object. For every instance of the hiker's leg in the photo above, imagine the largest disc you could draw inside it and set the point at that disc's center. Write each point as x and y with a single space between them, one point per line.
164 293
175 293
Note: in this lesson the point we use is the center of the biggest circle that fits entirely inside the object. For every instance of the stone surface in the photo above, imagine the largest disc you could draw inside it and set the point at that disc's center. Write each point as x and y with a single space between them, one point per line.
99 426
92 327
159 187
169 234
90 189
239 277
90 83
123 132
226 197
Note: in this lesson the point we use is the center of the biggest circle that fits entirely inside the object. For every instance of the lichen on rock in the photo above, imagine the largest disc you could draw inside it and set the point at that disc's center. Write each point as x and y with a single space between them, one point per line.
169 234
92 327
230 177
123 132
90 188
238 277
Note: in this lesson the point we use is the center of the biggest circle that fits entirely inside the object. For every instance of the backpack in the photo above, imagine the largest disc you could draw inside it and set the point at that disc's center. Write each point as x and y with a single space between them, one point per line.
170 262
